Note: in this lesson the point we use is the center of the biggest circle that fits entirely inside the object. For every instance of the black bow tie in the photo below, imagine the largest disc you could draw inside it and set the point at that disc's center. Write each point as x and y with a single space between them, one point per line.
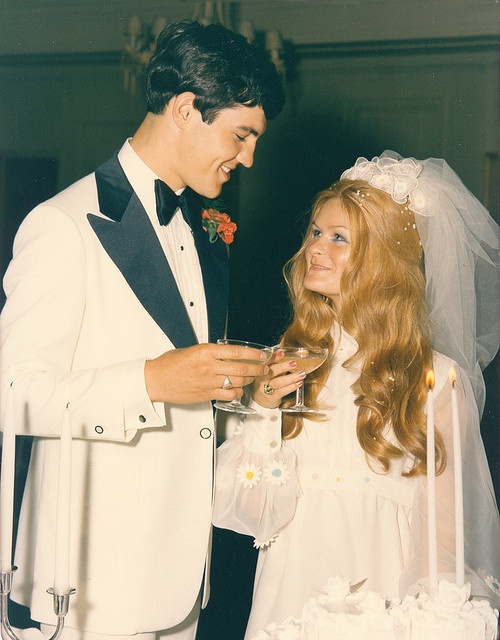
167 202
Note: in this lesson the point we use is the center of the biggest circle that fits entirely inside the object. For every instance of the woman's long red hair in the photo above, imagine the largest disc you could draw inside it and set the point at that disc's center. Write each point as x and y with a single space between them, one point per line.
383 308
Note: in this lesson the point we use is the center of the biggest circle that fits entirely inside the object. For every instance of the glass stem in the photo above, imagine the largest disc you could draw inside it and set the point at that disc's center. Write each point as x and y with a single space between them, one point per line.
299 397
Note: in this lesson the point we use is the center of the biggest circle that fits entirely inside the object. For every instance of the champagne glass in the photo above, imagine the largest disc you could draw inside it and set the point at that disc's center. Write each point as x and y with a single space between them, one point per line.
307 360
235 405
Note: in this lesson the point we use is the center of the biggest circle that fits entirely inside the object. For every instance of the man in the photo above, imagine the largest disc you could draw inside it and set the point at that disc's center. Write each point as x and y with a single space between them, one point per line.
113 309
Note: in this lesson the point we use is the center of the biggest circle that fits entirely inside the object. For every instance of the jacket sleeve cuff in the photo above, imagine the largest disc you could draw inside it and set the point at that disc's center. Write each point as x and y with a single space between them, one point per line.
119 416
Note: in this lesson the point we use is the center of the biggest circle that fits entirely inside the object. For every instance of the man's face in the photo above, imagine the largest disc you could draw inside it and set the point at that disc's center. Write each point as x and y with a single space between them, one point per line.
209 152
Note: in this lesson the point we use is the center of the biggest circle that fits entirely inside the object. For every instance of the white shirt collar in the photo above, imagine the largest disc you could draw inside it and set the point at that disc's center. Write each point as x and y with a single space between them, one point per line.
141 177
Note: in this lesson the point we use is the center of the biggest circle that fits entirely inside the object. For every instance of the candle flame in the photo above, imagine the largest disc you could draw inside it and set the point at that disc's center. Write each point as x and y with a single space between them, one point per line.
429 379
453 376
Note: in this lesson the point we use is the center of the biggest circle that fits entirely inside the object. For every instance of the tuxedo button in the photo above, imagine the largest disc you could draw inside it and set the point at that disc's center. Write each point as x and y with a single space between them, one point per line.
206 433
142 419
98 429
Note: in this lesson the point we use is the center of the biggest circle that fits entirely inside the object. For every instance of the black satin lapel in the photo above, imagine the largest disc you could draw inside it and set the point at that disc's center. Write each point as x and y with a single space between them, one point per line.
113 189
214 261
134 247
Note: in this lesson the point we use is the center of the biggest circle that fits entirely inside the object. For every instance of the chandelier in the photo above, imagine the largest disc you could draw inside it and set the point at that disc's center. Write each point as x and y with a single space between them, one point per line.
140 38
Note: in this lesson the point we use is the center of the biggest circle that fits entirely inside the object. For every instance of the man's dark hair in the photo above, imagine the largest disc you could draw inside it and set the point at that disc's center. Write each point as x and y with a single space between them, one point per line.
219 66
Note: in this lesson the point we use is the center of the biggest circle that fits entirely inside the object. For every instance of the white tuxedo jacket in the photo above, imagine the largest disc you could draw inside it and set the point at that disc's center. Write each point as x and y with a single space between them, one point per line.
90 296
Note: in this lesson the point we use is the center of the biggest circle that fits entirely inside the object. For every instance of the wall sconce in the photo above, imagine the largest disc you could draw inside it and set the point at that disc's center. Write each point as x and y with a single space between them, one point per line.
138 48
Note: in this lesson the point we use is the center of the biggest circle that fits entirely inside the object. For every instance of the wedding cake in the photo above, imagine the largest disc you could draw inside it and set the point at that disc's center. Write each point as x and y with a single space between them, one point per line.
342 612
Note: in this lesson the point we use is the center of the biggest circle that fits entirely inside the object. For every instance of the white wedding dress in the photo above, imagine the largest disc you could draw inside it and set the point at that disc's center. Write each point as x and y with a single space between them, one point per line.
334 515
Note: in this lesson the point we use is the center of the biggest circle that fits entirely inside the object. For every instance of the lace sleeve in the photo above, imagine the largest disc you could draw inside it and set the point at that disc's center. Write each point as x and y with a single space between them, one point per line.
256 484
481 519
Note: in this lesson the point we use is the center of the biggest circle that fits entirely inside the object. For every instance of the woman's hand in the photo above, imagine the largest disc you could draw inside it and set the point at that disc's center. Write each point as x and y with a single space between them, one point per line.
283 379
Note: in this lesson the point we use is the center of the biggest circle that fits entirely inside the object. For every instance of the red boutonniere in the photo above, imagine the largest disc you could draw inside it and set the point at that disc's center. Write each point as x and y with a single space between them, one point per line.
218 225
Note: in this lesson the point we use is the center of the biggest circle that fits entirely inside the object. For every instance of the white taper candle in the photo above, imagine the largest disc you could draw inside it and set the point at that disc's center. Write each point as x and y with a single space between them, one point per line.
459 498
63 514
431 487
7 483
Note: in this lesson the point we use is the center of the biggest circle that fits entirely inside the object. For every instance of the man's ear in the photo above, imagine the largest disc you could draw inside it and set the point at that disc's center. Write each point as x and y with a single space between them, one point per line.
183 108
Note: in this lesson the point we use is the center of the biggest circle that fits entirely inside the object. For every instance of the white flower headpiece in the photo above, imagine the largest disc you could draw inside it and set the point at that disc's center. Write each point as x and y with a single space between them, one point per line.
398 178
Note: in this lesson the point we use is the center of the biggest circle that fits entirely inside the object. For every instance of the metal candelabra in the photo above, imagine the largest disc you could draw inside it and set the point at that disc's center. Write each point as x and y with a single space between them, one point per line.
61 606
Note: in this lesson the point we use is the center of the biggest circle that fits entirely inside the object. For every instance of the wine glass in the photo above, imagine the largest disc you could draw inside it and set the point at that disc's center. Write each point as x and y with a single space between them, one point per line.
235 405
307 360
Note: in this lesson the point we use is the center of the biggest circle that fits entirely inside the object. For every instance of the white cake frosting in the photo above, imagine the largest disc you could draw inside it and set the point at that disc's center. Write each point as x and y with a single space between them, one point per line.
342 612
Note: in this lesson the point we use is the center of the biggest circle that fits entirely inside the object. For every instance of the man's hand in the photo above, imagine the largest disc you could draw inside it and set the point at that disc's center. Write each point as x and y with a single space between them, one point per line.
196 374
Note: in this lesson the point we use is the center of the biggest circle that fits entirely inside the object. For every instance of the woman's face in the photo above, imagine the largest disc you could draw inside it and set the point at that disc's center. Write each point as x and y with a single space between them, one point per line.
328 250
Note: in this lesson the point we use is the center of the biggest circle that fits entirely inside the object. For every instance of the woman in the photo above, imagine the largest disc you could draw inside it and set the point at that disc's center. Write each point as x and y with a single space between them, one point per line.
346 492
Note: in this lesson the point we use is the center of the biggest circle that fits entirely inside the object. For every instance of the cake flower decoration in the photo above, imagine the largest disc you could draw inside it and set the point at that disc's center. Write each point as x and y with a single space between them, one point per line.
337 587
451 596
